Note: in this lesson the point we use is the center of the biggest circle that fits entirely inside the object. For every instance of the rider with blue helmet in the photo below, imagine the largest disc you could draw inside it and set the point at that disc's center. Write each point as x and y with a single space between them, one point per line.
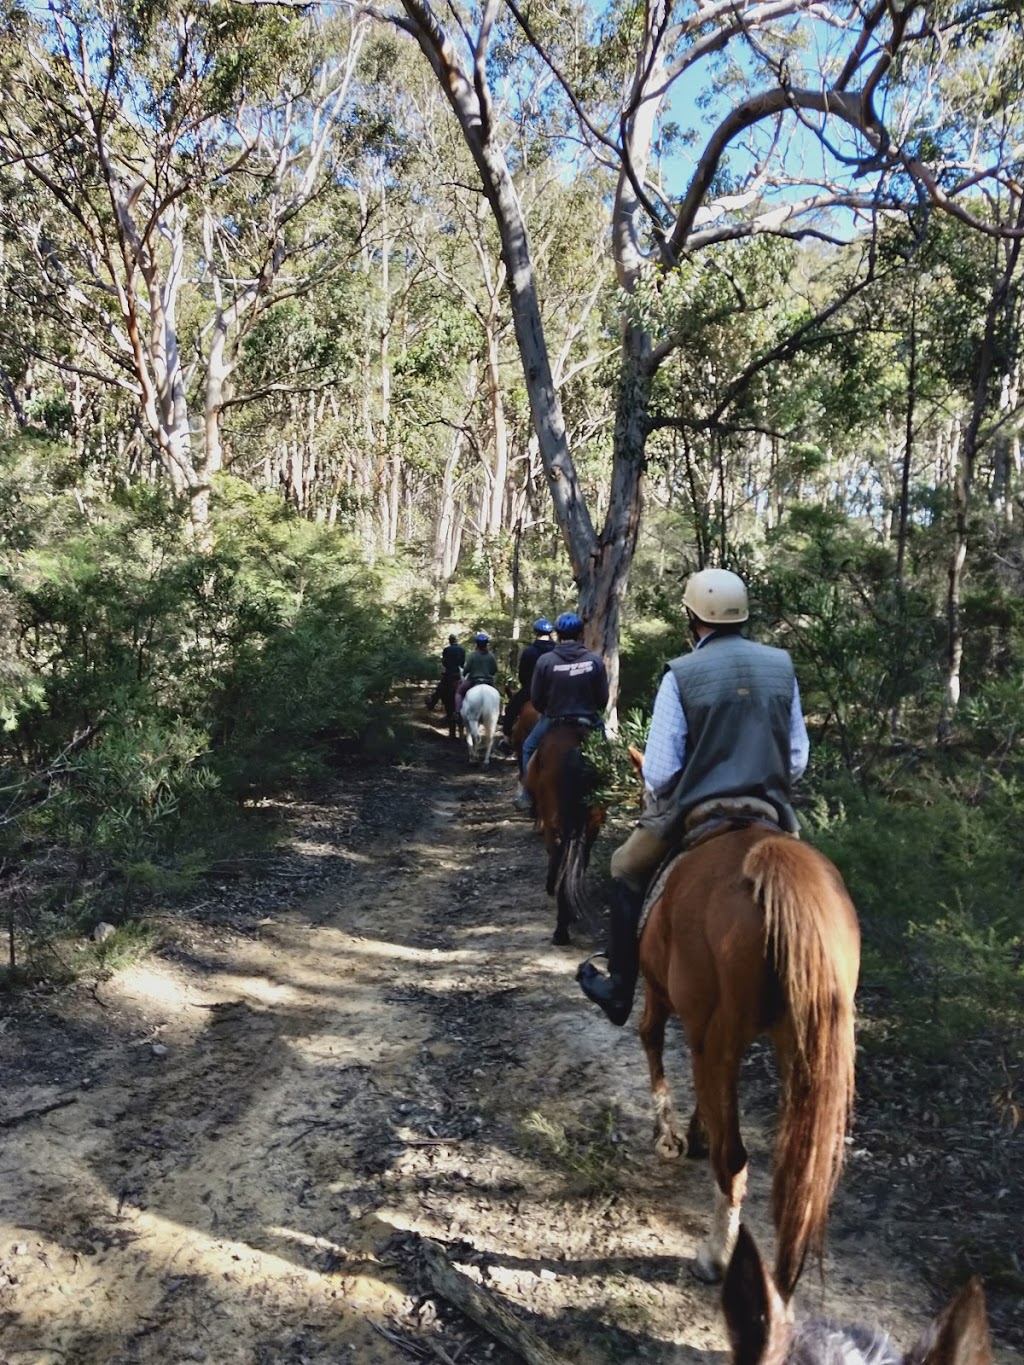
481 667
570 684
541 644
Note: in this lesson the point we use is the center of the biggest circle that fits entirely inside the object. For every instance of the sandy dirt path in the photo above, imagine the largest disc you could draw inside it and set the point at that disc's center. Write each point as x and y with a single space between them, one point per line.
252 1122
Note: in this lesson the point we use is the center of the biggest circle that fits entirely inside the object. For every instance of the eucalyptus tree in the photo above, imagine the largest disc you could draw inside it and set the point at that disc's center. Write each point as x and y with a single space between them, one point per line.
168 159
777 76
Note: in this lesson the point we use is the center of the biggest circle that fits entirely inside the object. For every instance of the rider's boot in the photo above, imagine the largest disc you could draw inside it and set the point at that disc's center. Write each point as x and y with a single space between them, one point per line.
614 992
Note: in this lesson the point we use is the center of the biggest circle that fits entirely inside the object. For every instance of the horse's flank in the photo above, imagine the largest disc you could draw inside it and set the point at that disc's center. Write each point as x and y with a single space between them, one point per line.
525 721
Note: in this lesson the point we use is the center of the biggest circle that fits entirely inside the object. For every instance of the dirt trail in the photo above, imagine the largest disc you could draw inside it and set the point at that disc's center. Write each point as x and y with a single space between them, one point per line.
254 1119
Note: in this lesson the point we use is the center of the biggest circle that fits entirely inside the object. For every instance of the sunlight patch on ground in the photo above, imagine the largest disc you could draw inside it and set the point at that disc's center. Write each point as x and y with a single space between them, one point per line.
400 952
152 983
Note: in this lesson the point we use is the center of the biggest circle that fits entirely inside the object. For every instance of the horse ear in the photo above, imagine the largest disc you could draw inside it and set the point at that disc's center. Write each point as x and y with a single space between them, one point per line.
759 1322
958 1336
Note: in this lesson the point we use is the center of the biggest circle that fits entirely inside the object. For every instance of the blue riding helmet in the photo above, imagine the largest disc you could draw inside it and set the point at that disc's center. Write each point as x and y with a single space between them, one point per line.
481 637
568 621
543 626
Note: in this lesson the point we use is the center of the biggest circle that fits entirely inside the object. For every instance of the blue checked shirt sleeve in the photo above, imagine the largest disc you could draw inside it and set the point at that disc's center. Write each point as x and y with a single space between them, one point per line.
799 744
665 754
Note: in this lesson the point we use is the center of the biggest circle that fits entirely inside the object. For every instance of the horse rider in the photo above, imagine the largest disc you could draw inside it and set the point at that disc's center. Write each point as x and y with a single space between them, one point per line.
569 686
481 667
727 738
542 643
453 658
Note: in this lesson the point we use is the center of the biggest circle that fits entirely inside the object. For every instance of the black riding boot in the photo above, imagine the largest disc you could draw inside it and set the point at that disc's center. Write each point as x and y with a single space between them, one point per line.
614 992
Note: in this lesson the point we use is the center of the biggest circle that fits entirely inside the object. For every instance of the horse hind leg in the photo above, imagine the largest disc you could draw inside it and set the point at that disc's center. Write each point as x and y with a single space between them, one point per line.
715 1076
563 918
669 1142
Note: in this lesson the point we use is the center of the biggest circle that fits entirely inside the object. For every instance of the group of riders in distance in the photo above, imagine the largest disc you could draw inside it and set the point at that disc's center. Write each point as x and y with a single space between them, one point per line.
737 926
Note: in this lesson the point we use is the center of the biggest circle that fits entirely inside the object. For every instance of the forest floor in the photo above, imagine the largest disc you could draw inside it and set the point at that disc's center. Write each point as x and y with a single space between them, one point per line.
225 1152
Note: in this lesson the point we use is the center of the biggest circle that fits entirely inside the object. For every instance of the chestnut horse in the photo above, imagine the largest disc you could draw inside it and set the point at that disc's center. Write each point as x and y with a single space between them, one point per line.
525 721
763 1330
560 781
751 932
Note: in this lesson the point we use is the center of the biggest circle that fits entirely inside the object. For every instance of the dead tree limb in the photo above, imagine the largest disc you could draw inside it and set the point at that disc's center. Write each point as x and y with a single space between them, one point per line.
484 1309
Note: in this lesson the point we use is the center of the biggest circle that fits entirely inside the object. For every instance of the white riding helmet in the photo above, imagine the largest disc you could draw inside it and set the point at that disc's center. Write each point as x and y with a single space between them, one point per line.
717 597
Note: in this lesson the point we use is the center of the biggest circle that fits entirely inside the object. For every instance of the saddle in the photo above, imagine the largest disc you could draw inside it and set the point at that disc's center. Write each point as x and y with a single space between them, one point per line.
705 822
724 813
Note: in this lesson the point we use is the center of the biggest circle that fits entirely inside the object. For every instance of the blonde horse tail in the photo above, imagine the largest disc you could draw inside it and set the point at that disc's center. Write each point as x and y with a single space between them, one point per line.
812 939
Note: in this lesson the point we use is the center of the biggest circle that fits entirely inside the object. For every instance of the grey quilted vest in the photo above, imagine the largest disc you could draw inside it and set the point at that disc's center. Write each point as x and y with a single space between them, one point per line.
737 698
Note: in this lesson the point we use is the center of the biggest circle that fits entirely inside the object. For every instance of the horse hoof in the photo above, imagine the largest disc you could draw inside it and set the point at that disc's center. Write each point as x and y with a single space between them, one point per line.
560 938
706 1270
670 1146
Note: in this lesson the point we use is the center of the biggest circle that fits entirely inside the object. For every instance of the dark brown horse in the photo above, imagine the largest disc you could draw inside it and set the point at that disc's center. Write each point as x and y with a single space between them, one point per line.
446 690
525 721
763 1330
753 932
560 782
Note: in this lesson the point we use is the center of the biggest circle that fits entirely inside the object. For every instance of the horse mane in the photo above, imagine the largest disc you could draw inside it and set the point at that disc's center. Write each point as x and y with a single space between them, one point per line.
805 906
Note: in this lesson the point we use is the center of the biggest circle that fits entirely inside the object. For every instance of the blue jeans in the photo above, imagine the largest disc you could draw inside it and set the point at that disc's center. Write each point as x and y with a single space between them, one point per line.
532 740
537 734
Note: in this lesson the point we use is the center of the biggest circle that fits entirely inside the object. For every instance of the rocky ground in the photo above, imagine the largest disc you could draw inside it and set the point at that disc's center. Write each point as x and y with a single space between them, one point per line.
227 1152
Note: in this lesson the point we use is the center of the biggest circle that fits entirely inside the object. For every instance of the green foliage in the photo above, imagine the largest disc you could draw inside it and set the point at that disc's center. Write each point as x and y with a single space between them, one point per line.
934 865
615 782
589 1155
145 684
864 645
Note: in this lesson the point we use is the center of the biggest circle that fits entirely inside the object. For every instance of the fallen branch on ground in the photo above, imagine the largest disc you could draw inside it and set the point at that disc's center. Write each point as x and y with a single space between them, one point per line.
15 1119
483 1308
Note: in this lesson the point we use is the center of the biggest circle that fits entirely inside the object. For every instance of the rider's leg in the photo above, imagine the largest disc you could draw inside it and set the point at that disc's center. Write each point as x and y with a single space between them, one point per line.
522 799
631 867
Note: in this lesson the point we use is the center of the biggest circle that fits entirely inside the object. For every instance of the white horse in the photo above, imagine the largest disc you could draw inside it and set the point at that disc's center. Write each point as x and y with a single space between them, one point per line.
481 708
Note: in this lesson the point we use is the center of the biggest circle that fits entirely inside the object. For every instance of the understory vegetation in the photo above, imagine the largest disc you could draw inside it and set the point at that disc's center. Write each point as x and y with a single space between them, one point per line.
153 694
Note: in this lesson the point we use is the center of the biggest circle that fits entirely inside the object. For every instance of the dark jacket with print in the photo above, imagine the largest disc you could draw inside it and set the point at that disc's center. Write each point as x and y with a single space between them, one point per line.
570 680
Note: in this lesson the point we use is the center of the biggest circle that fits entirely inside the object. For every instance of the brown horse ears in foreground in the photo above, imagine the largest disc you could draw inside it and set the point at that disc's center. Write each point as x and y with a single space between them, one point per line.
763 1330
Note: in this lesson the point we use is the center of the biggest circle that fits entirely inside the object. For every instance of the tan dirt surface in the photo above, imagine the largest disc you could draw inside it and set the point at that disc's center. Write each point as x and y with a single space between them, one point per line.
251 1123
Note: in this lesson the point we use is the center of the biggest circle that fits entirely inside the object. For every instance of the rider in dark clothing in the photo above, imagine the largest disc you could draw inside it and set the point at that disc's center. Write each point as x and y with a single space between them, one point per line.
540 646
453 659
569 683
